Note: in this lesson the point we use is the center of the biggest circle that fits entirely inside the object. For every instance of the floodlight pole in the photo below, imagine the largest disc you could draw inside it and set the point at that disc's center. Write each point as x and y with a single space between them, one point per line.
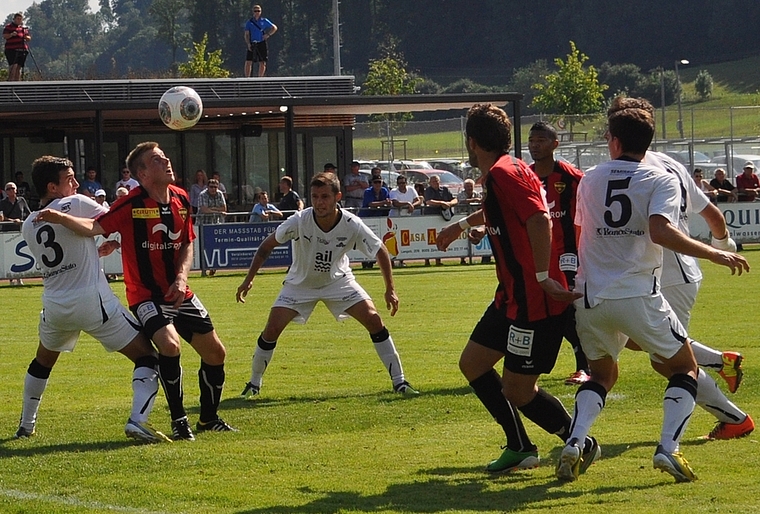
662 101
336 39
678 83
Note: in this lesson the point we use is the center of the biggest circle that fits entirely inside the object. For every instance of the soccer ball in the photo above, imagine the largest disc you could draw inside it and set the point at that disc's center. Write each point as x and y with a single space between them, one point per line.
180 108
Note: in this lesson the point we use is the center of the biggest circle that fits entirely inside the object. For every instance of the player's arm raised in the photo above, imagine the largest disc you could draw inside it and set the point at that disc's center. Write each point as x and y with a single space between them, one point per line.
664 233
384 261
259 258
83 226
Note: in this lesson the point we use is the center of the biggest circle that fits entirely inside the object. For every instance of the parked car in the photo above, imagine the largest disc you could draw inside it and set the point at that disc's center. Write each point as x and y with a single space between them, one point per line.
701 160
389 177
422 176
737 163
400 165
455 166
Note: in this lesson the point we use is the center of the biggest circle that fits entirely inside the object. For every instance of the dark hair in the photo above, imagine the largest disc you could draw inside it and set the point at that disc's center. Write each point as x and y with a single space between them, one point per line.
631 121
326 178
329 166
542 126
490 127
134 159
47 170
287 180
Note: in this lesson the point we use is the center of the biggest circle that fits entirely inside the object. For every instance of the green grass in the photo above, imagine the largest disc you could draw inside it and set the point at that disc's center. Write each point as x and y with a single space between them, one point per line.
328 436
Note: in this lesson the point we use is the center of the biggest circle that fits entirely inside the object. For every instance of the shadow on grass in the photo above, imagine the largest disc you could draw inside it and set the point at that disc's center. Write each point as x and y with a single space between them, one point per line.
463 490
8 451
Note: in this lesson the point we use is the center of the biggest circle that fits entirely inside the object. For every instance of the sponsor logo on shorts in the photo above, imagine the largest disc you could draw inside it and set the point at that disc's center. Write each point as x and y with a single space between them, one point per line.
520 341
145 311
568 262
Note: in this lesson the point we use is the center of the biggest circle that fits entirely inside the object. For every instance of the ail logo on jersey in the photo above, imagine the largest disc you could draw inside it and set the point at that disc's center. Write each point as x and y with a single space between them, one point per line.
323 261
559 187
145 213
160 227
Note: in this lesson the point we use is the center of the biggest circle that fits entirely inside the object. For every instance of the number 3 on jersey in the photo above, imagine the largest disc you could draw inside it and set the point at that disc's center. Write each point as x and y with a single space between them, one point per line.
616 197
47 232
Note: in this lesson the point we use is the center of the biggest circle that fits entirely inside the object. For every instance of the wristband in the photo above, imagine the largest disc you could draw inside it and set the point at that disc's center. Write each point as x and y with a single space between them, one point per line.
542 275
463 224
726 244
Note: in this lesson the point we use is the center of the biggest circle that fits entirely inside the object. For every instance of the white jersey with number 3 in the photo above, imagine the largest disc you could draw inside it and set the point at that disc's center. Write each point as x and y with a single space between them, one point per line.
320 257
616 254
69 262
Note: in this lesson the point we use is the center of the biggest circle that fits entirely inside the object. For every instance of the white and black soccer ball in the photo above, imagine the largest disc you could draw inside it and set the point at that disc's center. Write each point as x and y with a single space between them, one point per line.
180 108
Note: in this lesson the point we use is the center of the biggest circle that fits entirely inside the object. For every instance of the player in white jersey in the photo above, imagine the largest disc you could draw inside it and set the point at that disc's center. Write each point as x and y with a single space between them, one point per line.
626 212
681 278
321 237
77 298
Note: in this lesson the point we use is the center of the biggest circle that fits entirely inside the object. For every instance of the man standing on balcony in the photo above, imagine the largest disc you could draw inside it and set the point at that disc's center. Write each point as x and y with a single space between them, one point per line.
257 31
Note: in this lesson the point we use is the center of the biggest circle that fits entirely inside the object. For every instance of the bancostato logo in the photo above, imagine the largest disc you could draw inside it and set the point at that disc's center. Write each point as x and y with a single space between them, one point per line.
618 232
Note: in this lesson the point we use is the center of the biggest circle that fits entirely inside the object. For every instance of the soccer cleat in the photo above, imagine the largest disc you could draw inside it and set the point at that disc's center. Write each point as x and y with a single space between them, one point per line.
569 465
590 456
23 432
144 432
732 370
217 425
578 378
405 388
674 464
732 430
181 430
511 460
250 391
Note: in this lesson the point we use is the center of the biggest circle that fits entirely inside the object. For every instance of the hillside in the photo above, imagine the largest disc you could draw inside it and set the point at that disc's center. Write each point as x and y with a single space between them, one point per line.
742 76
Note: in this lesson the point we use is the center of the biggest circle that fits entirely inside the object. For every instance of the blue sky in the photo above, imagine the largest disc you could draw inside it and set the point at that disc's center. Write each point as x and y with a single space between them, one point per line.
11 6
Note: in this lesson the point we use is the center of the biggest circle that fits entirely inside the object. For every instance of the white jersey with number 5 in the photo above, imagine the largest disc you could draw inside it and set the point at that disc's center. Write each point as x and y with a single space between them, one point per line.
69 262
320 257
677 268
616 254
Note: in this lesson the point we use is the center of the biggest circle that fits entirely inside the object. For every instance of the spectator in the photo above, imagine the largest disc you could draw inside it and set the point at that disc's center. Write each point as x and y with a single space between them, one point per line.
747 183
90 183
23 189
16 47
354 185
330 168
404 200
126 181
218 177
438 199
13 207
100 197
290 200
257 31
197 188
704 185
264 211
211 204
377 173
121 191
420 190
468 196
377 200
727 192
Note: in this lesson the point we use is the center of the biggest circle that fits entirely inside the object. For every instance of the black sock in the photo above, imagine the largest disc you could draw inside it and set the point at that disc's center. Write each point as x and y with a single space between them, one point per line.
548 412
212 382
487 388
170 373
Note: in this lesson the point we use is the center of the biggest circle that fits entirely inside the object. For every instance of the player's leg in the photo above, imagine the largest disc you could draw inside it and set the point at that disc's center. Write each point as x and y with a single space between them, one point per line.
365 313
581 373
279 318
484 349
35 382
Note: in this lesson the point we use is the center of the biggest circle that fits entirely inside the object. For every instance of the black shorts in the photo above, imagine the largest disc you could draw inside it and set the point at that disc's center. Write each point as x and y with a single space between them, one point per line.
257 53
529 348
16 57
191 317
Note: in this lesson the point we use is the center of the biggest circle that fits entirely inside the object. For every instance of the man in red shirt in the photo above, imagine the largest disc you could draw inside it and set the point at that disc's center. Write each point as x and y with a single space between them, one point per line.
525 323
16 48
748 184
157 253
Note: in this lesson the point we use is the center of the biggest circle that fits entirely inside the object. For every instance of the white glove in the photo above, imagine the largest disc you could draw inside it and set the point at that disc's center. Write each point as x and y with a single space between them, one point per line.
726 244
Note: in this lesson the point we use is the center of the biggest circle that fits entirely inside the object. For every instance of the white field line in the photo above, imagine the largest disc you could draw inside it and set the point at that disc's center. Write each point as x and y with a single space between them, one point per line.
68 500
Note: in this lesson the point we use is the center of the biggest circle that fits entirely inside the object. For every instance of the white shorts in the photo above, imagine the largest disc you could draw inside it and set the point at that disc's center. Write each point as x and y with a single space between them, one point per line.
648 320
101 316
681 298
338 296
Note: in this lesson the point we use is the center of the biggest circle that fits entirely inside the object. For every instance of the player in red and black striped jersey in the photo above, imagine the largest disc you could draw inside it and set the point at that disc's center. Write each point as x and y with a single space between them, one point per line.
157 253
524 324
560 181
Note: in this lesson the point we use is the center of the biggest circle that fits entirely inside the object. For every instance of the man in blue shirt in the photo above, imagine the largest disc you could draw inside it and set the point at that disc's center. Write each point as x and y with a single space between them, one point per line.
264 211
257 31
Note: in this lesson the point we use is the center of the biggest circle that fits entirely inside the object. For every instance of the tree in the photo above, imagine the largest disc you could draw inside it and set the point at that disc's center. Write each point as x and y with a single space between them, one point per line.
202 66
171 16
704 84
524 78
571 90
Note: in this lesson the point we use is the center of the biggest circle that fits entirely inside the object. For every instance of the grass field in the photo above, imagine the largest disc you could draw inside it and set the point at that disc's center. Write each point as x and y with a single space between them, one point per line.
328 436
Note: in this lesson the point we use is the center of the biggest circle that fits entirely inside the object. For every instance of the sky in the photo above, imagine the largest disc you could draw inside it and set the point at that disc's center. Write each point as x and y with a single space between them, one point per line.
11 6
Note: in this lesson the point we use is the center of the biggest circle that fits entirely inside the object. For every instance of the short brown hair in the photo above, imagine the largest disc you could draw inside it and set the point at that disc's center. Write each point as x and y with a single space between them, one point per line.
631 121
490 127
326 179
134 159
287 180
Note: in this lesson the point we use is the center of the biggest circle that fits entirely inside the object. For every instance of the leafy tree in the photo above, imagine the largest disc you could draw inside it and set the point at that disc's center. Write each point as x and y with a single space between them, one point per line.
651 86
620 78
203 64
171 17
571 90
704 84
524 78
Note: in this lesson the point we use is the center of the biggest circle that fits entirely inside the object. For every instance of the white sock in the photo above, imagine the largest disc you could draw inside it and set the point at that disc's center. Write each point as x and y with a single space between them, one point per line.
712 399
261 359
678 404
386 350
706 356
588 406
33 389
144 390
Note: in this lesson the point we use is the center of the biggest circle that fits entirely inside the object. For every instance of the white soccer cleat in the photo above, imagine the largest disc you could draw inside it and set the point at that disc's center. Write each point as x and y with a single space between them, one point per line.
144 432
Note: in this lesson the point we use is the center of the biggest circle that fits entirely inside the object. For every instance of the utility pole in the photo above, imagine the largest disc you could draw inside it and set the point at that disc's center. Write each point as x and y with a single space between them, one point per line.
336 39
